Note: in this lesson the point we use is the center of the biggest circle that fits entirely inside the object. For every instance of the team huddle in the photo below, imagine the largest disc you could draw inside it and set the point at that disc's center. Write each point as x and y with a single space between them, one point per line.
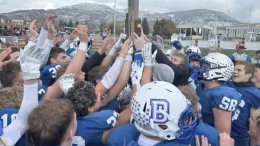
127 93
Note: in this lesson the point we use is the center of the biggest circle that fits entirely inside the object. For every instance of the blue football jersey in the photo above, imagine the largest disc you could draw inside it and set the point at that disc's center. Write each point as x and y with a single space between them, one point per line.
201 129
41 91
48 74
112 105
128 135
8 115
1 128
221 97
92 126
250 98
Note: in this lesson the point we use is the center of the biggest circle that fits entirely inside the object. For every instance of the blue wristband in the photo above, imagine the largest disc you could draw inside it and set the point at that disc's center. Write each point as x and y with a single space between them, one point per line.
138 56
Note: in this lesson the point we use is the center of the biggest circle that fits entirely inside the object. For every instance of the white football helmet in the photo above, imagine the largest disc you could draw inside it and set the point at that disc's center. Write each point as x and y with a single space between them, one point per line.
193 49
215 66
160 109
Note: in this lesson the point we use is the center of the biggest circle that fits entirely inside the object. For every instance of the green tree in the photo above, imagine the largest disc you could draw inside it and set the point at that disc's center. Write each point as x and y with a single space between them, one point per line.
119 28
70 23
61 23
76 23
156 28
164 28
145 26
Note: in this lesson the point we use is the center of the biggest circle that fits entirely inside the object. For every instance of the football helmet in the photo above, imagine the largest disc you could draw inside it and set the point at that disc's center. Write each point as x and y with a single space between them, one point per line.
161 110
193 49
215 66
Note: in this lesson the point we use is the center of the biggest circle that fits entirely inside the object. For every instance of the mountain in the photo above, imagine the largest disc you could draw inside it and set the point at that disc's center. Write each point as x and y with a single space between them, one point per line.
98 13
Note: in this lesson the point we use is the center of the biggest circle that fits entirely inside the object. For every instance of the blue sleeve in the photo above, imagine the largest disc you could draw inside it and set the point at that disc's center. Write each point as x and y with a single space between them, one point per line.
248 60
112 105
232 58
92 126
1 128
254 97
41 91
226 102
104 37
125 138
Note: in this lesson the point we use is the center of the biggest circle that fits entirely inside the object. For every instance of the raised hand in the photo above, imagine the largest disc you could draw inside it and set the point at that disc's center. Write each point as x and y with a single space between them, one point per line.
33 29
3 55
118 43
138 41
137 72
126 46
30 62
67 81
51 27
73 35
148 57
50 18
82 32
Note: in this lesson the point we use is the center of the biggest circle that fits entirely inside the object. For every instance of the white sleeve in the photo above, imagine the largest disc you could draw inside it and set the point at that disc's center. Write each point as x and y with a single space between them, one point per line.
20 124
42 37
65 44
29 45
192 84
48 44
111 76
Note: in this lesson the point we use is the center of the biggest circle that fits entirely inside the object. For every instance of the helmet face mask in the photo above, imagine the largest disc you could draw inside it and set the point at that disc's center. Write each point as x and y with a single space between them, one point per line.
215 67
192 49
161 110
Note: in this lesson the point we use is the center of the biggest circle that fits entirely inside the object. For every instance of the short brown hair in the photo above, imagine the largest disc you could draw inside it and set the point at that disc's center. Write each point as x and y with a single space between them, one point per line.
49 123
11 97
83 96
182 56
189 94
8 73
61 71
249 67
55 51
94 72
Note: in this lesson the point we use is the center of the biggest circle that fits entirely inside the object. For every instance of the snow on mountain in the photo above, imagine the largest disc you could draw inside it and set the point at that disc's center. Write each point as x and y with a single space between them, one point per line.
98 13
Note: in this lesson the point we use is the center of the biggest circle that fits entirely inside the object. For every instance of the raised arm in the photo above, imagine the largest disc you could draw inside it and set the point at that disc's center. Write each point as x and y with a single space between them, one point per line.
75 65
69 40
123 77
44 30
30 65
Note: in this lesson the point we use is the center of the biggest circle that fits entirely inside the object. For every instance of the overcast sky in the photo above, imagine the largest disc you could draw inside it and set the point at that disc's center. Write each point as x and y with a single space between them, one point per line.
238 9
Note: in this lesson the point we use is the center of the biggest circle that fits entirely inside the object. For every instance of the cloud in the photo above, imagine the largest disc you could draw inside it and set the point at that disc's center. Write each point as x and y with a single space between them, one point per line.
238 9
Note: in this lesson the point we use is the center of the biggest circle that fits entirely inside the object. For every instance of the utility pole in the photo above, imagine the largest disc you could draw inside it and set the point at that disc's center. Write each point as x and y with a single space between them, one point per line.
115 22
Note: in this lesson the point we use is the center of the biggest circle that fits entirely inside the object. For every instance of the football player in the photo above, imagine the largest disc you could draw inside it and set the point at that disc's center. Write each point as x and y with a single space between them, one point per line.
217 101
250 100
162 116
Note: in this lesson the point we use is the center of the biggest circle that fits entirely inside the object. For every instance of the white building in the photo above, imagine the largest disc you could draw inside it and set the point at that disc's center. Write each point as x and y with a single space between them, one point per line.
194 31
17 21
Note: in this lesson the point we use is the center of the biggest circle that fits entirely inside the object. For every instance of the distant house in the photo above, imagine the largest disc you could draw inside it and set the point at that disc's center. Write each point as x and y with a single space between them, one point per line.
17 21
4 19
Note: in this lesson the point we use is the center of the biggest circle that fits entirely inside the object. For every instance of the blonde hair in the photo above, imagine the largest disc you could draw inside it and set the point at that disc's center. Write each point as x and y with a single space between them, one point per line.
180 55
190 95
11 97
258 118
